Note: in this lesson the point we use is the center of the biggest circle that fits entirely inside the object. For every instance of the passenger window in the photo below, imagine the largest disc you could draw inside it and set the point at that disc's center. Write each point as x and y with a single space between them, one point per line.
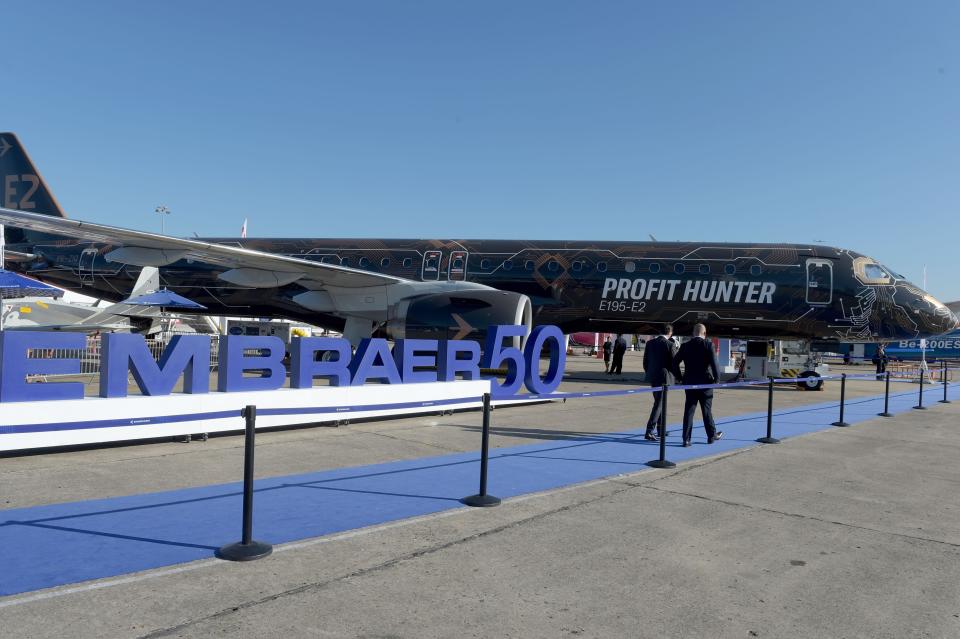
730 269
528 265
344 261
458 263
756 270
705 269
507 265
385 262
364 262
577 267
552 265
678 269
407 262
326 259
654 268
485 264
601 267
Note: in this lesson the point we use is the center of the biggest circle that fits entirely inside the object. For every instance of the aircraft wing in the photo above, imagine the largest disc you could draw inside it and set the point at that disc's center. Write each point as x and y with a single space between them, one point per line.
246 267
17 256
71 328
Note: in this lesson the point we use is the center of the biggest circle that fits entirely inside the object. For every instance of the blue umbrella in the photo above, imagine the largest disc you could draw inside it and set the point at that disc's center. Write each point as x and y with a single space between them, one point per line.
13 285
164 298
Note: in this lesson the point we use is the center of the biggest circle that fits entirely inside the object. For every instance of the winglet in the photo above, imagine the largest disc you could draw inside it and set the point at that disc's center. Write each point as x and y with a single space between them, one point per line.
21 185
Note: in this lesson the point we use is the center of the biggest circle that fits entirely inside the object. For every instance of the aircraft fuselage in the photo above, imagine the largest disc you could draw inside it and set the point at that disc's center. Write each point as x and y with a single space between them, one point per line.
755 290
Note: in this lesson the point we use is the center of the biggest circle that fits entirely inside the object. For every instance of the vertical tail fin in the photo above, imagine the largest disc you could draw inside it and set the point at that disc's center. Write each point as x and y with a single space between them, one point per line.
22 186
148 282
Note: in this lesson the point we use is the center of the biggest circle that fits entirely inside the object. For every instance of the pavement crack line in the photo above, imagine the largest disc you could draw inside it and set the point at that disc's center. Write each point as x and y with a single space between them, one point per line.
408 441
386 565
103 462
784 513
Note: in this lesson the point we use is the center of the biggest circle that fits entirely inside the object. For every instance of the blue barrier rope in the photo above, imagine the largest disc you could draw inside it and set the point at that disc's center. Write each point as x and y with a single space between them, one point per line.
898 357
653 389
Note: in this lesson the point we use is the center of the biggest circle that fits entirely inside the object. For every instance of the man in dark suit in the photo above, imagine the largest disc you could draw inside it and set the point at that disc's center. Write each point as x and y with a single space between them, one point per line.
658 367
619 348
699 367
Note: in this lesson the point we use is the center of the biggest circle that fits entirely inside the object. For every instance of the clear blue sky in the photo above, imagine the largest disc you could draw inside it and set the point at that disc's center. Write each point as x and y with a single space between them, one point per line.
697 120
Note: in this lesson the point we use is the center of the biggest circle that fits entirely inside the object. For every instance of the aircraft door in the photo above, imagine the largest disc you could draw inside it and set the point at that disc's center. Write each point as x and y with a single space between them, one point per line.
85 265
431 266
819 282
457 270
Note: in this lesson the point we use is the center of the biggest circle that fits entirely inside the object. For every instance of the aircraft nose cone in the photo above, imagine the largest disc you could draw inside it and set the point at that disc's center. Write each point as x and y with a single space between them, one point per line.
944 322
937 316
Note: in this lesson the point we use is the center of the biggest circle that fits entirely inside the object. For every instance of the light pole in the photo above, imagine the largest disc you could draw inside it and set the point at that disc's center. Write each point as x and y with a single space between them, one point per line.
162 211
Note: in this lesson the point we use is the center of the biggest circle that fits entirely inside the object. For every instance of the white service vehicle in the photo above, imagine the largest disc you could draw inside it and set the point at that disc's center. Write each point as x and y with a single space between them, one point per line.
785 359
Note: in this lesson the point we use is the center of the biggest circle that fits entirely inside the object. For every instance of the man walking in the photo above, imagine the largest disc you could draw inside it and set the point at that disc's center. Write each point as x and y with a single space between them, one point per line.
619 348
658 367
700 367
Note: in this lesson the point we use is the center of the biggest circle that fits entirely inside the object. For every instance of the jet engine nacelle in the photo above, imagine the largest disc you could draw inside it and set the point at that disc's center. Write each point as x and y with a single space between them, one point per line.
458 315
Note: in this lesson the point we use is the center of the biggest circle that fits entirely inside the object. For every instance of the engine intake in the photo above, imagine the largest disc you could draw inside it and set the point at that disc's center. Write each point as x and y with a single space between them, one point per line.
463 315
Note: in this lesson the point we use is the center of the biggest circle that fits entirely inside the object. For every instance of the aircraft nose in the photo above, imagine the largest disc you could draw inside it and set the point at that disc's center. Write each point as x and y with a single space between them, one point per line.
935 318
953 321
944 321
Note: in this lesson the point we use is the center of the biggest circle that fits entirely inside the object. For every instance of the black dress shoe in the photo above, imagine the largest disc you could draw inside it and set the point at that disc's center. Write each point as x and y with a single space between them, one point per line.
719 435
651 437
687 444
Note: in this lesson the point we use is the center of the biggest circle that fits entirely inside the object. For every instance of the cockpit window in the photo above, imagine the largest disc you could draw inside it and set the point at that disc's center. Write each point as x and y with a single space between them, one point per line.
894 273
869 272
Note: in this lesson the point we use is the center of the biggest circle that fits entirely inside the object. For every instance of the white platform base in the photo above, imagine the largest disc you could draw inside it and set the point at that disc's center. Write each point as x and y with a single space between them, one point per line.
27 425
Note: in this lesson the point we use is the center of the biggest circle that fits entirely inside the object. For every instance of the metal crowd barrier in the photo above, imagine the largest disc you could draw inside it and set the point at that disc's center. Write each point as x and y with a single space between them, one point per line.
933 368
90 357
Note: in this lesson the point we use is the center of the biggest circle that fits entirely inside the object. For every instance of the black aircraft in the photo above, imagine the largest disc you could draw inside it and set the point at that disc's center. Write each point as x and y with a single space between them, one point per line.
457 288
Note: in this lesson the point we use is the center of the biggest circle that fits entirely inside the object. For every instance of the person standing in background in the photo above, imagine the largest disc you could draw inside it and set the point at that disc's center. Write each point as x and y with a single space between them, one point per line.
619 348
607 350
880 361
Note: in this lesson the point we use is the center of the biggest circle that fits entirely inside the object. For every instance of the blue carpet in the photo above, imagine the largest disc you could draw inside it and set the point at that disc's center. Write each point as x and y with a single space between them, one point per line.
47 546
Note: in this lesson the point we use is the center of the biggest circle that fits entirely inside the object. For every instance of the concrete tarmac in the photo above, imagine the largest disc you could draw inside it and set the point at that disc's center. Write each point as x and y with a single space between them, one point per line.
843 533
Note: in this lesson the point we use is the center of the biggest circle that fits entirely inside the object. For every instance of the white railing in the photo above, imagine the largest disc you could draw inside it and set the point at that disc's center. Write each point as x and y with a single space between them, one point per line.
90 356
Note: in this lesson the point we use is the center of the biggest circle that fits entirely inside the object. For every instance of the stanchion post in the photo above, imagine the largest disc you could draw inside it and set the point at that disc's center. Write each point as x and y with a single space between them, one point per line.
843 396
943 375
247 549
886 397
662 461
769 439
920 405
482 499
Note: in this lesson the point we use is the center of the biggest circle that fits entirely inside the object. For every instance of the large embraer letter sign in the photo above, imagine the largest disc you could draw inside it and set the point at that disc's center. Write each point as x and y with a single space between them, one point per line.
23 354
